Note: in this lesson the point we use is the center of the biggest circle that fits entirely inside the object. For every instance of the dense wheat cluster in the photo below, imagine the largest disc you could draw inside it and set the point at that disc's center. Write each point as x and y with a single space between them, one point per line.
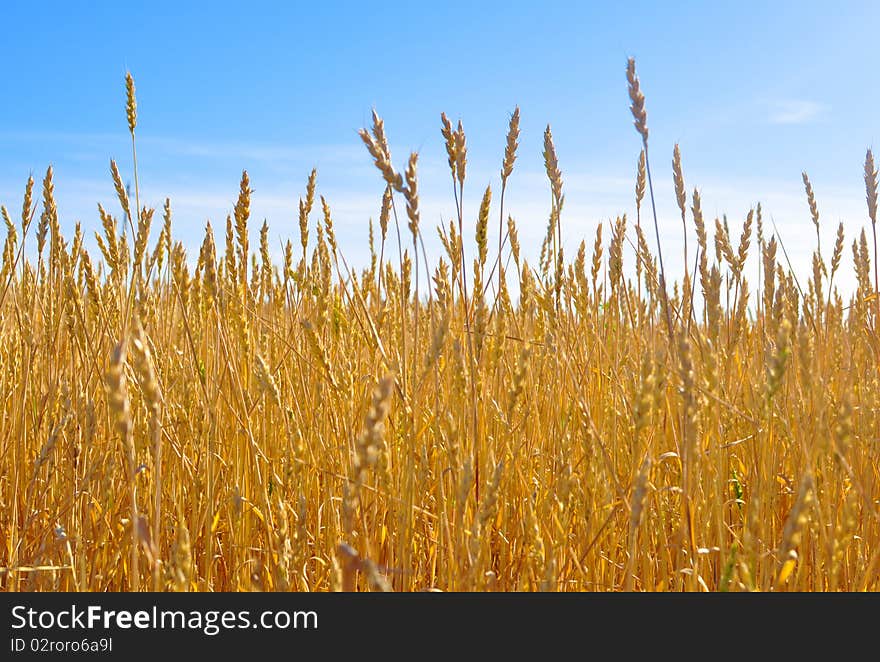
221 421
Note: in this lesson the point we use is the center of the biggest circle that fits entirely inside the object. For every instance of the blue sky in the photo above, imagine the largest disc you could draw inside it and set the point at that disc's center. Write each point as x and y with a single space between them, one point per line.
754 92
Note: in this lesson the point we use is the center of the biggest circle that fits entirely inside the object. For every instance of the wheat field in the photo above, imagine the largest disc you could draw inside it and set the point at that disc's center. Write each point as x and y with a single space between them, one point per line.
217 421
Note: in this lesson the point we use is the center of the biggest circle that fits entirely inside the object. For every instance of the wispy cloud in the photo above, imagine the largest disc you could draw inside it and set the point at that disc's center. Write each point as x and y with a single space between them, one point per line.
159 146
795 111
784 211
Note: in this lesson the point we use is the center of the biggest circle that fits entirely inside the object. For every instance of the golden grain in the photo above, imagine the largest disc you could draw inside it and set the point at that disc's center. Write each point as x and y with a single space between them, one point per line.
229 423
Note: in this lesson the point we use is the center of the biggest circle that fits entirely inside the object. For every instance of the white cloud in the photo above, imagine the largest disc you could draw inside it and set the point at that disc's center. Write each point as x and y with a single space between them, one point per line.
795 111
354 190
96 144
